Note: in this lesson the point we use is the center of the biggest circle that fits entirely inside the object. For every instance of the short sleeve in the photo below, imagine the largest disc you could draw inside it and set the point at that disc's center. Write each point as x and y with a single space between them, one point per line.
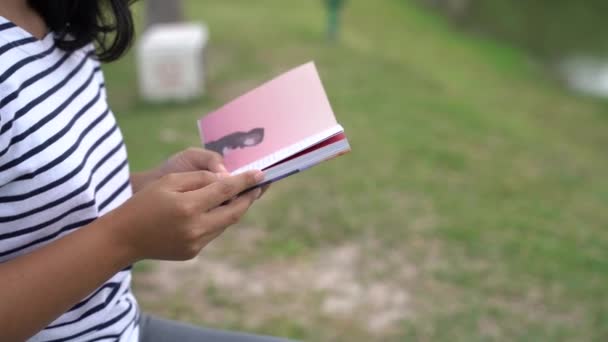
6 117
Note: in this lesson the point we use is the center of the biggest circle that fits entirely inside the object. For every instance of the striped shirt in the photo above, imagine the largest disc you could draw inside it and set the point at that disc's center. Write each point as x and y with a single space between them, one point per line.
62 165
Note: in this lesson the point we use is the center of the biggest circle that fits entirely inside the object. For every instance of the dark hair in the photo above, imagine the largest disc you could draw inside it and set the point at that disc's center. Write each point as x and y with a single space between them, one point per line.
107 23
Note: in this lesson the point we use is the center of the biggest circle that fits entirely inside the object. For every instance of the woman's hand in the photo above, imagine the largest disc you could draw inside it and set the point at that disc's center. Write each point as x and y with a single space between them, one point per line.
191 159
176 216
172 218
197 159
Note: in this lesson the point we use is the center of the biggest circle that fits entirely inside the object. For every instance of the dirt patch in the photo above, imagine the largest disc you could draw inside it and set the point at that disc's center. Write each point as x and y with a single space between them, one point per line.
333 284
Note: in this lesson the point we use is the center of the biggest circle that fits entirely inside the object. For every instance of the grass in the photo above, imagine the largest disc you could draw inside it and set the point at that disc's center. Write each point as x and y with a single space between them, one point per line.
469 166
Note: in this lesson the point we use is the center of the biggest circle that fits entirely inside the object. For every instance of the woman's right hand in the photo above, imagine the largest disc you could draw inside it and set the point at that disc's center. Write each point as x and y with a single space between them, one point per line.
179 214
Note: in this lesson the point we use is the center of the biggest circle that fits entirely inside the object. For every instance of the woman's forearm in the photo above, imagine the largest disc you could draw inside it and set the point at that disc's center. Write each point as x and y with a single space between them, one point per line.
38 287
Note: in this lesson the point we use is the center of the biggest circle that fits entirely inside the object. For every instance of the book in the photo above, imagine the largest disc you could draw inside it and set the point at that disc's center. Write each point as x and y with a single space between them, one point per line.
282 127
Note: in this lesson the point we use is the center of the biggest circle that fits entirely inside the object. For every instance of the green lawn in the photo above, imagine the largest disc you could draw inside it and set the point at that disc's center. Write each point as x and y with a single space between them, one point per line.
474 206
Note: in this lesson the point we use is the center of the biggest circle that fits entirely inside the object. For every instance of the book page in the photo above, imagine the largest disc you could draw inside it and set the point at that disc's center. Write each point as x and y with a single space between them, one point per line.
272 121
288 151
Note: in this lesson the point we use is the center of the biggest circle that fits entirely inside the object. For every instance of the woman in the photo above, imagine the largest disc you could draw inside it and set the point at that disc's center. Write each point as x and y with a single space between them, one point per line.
69 228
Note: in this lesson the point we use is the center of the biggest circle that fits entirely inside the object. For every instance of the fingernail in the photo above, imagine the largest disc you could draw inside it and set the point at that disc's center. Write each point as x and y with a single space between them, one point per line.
222 168
259 176
257 193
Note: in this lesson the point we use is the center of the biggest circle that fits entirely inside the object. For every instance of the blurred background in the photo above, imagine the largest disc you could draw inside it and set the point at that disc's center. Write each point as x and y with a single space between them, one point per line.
473 207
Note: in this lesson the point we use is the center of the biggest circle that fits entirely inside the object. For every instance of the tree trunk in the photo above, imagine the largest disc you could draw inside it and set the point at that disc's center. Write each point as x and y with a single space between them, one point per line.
163 11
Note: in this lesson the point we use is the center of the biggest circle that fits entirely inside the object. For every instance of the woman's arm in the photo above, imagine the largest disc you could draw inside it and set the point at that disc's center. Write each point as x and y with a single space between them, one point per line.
171 219
40 286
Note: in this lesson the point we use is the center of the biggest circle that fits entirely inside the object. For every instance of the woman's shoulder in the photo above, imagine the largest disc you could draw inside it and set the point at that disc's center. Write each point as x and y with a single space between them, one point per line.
36 71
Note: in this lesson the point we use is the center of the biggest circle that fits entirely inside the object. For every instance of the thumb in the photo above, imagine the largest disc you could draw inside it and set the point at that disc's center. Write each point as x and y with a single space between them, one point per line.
189 181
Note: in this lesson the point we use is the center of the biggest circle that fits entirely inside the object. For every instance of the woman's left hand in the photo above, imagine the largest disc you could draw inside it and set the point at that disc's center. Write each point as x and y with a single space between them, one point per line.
193 159
197 159
189 160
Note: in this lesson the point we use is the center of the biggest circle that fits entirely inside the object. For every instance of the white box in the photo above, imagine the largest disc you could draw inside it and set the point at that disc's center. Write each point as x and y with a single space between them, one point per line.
170 61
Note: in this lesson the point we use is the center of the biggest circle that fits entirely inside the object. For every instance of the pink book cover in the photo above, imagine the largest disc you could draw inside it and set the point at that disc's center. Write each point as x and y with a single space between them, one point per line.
272 122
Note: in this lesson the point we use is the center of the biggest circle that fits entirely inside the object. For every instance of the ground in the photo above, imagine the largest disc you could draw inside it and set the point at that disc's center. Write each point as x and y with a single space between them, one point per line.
472 208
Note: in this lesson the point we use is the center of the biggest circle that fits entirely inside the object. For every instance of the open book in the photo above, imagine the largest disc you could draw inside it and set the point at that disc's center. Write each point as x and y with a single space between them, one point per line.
282 127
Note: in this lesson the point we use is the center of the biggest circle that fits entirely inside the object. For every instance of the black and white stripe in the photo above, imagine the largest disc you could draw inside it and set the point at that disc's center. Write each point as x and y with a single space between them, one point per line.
63 164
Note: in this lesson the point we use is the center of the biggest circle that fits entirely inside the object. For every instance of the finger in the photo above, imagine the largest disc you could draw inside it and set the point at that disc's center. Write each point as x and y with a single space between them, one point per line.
231 213
189 181
206 160
227 188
